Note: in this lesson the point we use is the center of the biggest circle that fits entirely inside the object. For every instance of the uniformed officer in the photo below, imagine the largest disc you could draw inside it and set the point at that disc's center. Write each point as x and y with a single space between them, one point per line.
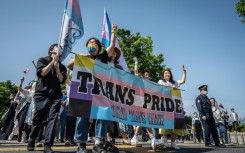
205 111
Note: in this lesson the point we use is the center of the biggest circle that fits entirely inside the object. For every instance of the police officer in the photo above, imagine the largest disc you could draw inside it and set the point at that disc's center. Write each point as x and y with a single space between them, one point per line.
206 115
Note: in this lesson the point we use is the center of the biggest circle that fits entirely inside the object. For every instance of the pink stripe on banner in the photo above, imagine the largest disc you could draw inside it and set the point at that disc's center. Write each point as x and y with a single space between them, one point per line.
76 95
138 90
105 102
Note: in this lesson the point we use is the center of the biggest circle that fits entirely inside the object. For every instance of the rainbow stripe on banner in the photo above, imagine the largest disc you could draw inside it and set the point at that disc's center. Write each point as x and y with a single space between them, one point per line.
100 91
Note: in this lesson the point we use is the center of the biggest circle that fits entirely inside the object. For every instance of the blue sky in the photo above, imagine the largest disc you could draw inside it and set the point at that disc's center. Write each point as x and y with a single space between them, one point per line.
207 36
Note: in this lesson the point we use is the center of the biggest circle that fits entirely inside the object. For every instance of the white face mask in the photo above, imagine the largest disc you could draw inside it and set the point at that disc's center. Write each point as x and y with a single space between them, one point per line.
205 92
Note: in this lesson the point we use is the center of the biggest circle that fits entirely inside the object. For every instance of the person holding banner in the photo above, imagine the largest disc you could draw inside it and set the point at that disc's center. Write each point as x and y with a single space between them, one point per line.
51 73
167 80
95 51
154 142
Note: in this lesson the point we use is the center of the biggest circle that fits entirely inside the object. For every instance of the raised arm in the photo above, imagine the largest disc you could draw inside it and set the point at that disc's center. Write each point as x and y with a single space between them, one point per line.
182 81
136 66
20 86
110 49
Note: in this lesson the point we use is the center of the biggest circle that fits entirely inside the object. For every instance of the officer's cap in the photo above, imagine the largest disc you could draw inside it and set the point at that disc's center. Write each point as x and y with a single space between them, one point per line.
203 87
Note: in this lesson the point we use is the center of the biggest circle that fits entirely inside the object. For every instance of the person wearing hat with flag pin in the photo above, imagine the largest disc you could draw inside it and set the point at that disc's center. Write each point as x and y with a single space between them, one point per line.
206 115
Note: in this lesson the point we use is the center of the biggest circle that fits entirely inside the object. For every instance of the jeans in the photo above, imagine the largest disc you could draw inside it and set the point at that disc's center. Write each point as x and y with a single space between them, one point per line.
81 132
100 128
155 133
221 130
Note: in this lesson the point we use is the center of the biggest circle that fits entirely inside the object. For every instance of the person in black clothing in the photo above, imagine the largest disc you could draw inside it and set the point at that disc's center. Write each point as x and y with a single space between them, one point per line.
9 119
196 123
51 73
206 115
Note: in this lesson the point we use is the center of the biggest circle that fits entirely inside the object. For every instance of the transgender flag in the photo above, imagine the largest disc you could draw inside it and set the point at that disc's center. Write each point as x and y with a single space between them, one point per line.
106 37
72 28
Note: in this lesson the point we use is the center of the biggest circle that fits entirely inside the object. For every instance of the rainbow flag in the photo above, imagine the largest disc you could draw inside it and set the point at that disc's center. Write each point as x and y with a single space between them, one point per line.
72 28
100 91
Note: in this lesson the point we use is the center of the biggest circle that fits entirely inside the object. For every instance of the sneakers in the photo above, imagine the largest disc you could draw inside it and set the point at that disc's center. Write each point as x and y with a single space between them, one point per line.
30 146
173 145
164 141
110 147
98 148
39 144
67 143
82 148
156 145
135 142
90 139
47 149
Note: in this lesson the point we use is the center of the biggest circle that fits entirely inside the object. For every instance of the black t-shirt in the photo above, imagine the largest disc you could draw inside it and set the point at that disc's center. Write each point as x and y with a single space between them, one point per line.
49 84
102 56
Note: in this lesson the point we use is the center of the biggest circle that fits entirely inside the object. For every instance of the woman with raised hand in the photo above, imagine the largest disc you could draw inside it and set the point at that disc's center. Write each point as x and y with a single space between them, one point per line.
167 80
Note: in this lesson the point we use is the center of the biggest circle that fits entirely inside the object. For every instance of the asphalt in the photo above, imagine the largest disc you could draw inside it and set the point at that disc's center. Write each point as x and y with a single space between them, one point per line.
186 147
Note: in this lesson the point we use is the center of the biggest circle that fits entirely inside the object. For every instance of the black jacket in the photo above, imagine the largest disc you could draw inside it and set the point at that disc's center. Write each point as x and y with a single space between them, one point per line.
49 84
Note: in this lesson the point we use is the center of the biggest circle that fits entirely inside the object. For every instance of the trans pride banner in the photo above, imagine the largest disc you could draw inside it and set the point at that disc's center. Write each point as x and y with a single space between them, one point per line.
100 91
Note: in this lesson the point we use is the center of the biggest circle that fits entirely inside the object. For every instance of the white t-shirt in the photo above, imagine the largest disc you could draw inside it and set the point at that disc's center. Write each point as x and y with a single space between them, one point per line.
169 84
26 94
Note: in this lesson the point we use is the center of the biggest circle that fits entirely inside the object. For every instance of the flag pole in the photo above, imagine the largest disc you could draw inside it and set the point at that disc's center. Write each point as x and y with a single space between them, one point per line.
62 25
34 64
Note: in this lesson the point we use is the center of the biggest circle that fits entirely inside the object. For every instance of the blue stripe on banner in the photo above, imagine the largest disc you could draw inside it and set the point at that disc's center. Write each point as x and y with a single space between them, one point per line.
105 113
129 78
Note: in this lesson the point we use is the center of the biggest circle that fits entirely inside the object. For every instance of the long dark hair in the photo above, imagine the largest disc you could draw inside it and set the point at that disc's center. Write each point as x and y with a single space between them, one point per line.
171 76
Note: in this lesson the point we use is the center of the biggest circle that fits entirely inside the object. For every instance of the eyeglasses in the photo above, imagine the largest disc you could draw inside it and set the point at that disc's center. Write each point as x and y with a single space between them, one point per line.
53 53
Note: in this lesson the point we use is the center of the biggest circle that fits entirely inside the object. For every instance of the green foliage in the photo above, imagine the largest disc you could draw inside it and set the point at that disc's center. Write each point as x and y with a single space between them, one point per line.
141 47
6 89
240 8
188 120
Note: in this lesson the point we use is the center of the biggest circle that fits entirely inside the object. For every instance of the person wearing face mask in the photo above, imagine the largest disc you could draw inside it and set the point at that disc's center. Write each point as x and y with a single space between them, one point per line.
96 52
204 108
47 98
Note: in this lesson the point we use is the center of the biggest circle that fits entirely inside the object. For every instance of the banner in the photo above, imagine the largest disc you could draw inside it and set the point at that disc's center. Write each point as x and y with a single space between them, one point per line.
100 91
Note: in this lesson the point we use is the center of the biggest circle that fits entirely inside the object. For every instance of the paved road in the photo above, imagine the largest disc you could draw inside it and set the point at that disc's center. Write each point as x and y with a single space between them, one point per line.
187 147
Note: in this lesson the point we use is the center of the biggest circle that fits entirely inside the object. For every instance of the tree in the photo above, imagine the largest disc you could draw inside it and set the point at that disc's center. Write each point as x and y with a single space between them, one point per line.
6 89
188 120
141 47
240 8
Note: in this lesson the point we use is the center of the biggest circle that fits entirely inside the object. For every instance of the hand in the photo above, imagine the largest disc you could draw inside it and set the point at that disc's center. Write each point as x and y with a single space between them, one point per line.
204 118
56 65
22 79
135 59
174 88
114 27
183 67
55 58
